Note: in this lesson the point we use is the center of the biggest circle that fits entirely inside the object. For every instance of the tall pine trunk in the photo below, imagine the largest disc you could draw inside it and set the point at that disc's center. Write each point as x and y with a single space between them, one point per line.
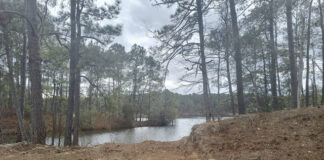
322 29
265 83
203 61
277 60
227 60
76 109
38 131
307 52
300 42
228 74
60 111
53 106
1 100
273 62
73 49
218 85
1 104
314 87
292 57
238 58
77 77
1 135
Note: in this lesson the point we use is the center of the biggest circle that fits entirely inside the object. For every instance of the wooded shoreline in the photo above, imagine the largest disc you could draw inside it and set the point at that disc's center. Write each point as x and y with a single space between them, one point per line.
288 134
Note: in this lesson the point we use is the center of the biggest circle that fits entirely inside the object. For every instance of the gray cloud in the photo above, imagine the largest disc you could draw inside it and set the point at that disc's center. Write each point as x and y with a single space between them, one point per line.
138 18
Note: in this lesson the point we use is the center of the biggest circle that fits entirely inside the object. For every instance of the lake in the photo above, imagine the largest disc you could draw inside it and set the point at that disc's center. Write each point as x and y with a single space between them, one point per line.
181 128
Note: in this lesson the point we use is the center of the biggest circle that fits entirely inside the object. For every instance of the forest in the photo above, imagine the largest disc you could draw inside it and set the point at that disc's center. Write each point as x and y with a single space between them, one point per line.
62 71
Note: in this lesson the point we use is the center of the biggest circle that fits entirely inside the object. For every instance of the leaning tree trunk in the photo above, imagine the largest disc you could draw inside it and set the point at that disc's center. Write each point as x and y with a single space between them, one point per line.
238 58
203 61
12 91
273 62
38 132
22 81
307 52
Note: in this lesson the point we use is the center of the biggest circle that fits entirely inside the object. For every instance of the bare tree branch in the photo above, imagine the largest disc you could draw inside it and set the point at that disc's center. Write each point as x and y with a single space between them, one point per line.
21 15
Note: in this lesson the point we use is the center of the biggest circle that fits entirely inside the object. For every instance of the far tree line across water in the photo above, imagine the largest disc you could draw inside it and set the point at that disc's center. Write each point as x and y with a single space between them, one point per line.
66 67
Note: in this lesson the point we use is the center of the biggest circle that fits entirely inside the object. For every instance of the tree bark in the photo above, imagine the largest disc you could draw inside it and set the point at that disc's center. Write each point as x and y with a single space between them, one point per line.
76 109
322 29
314 89
218 84
1 135
54 110
300 42
273 79
134 83
292 57
203 61
307 52
38 132
70 107
238 58
149 92
277 63
230 83
265 82
77 77
60 111
227 60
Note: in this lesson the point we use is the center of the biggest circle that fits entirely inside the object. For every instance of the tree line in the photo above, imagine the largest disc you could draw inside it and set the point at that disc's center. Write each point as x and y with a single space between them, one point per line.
250 59
265 44
74 70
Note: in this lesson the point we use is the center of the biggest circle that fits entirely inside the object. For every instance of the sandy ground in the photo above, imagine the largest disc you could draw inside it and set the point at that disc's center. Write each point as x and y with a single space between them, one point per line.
283 135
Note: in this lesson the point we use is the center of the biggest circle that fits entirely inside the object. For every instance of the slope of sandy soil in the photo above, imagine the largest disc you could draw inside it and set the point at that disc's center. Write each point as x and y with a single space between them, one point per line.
288 135
292 134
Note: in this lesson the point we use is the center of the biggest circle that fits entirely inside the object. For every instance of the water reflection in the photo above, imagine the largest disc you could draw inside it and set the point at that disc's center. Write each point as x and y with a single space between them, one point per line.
181 128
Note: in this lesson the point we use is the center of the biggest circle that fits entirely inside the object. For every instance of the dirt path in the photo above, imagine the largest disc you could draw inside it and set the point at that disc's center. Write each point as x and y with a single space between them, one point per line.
290 135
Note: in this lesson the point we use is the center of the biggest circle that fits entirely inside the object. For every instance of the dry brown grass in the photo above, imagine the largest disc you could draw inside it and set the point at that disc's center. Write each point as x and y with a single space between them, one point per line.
291 134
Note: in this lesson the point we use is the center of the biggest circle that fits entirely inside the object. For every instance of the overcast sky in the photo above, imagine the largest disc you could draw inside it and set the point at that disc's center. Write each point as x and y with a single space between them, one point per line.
138 18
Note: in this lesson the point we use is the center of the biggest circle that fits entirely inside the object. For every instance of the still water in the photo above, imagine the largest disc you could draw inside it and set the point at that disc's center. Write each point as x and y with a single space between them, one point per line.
181 128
